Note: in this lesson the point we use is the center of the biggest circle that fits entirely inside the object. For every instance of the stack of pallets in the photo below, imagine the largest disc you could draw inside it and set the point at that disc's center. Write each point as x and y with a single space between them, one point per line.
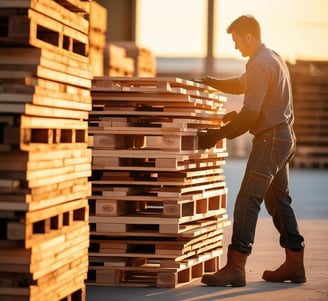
97 37
143 58
117 63
45 82
310 89
158 204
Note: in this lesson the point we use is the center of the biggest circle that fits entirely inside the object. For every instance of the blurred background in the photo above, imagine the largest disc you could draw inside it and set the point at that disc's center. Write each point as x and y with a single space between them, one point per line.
187 38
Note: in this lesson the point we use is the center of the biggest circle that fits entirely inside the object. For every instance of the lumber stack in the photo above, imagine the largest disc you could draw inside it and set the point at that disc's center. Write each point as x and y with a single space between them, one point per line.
45 162
97 37
310 90
158 204
143 58
117 63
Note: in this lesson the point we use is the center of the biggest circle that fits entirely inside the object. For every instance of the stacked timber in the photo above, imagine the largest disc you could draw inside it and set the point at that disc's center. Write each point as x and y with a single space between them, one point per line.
310 90
117 63
143 58
97 37
158 204
45 162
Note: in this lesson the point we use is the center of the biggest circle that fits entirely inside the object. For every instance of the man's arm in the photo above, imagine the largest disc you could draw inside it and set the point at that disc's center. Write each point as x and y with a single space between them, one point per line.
234 85
239 125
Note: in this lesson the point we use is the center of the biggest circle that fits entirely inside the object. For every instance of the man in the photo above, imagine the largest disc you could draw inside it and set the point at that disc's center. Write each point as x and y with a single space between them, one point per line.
267 113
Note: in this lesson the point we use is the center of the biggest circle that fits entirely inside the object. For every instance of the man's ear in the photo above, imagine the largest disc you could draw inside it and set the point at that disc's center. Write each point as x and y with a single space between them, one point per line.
248 37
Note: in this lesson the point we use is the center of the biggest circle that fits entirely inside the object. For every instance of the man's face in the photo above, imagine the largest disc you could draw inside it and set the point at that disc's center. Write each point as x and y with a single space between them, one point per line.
242 43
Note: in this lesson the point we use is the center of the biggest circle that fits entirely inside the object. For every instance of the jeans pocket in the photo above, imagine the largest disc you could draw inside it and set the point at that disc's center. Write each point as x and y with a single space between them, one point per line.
280 151
258 184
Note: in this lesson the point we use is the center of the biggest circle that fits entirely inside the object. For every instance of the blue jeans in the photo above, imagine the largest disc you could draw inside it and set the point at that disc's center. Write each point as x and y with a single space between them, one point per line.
267 178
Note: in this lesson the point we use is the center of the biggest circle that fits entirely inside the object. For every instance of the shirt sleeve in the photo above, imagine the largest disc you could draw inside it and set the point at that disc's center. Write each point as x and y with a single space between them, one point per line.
257 84
235 85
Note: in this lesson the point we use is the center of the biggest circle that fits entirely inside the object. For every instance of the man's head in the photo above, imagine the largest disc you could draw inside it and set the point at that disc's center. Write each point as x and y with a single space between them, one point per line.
246 33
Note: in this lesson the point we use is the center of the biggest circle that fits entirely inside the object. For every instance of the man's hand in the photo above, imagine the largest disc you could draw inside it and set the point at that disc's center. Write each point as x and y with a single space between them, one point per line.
229 116
202 80
199 80
208 138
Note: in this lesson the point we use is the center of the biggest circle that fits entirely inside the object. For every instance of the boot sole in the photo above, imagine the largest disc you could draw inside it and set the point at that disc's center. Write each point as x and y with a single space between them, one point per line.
211 282
293 280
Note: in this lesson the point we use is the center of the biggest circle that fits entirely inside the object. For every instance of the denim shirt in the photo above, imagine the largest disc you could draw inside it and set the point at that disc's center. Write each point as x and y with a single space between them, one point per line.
267 90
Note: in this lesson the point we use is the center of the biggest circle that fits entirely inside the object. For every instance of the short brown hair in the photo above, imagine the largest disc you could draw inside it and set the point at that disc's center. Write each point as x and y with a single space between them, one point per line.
246 24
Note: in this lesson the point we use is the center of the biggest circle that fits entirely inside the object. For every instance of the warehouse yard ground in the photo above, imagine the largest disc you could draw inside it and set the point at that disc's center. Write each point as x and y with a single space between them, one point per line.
309 190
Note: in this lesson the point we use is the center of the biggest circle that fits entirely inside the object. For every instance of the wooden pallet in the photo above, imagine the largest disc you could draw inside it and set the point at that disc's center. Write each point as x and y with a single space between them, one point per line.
170 251
309 80
184 206
34 227
153 90
33 28
34 133
44 95
151 274
46 64
77 6
149 161
151 221
66 283
158 84
52 9
311 156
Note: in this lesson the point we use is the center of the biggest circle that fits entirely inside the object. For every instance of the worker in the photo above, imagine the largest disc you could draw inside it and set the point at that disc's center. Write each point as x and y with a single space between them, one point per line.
267 113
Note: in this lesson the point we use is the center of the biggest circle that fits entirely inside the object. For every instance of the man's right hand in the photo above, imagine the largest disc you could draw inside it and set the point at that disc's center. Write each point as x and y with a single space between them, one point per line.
208 138
199 80
205 80
229 116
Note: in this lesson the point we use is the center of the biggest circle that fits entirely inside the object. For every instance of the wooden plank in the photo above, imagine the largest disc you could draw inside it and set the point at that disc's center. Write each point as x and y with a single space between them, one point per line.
168 225
21 58
36 110
158 82
43 100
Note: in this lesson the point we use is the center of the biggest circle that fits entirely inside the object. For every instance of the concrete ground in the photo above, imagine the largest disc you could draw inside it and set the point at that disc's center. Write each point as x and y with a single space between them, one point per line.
309 189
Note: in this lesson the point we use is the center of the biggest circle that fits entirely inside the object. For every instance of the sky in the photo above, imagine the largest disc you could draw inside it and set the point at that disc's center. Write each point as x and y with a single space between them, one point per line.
297 29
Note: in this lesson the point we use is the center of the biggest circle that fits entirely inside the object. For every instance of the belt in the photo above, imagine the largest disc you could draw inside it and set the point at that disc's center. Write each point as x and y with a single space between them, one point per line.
275 128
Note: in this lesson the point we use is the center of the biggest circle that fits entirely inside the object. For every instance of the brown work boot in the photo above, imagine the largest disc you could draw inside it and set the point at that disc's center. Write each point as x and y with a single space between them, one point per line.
233 274
291 270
